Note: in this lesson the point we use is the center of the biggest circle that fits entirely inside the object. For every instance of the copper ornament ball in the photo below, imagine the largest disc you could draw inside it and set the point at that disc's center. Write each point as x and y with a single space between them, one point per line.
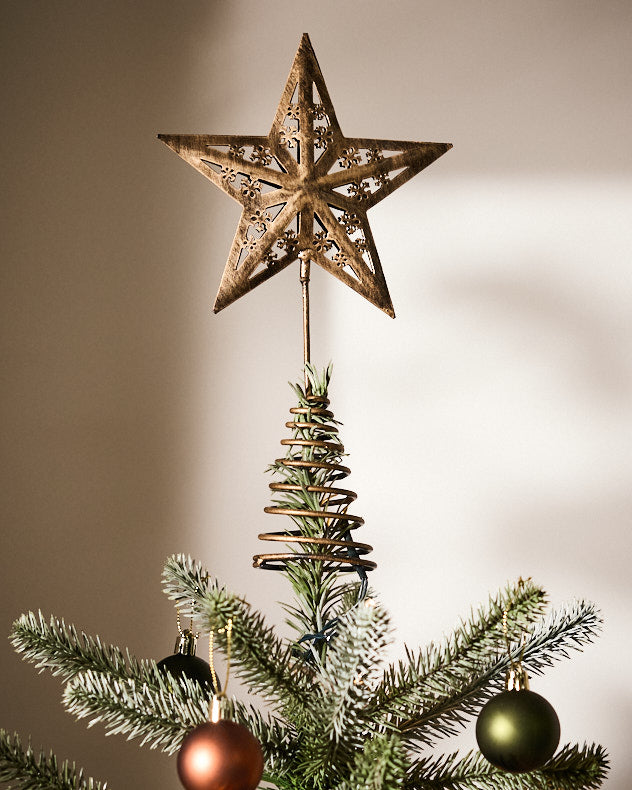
220 756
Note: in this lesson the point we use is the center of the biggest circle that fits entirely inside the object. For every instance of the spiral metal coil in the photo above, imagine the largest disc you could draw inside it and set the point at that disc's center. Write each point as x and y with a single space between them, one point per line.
334 546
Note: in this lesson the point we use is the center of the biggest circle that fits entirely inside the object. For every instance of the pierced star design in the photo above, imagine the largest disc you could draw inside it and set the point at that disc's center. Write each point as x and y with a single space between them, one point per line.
305 188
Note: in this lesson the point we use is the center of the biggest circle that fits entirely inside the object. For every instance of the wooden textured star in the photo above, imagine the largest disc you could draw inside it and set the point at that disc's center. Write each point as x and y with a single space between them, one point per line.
305 188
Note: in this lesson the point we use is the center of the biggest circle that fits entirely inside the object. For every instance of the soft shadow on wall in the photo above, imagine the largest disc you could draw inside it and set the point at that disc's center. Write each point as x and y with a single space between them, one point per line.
100 277
507 435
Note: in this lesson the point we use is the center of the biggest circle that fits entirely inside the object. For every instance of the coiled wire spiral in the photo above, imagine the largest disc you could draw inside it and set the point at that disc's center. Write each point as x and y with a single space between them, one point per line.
326 529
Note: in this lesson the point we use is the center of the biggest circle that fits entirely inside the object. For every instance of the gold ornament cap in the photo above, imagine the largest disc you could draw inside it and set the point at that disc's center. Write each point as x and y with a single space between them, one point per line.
186 643
517 679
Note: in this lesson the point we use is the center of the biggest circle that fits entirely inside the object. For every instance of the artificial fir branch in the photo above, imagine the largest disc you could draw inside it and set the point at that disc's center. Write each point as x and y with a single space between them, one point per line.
260 658
63 650
447 701
315 584
161 712
353 659
568 628
577 768
476 639
22 769
381 763
278 739
572 768
338 728
159 715
310 472
315 595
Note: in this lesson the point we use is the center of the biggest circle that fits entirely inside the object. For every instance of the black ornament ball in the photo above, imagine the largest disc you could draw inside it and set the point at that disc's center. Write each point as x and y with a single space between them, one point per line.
518 731
191 666
220 756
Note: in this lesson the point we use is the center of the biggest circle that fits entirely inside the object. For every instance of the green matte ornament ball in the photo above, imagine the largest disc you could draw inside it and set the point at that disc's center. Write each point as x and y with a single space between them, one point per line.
518 731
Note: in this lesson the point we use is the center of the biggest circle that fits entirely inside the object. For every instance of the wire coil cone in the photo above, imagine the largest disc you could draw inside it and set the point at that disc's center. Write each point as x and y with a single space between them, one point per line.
309 496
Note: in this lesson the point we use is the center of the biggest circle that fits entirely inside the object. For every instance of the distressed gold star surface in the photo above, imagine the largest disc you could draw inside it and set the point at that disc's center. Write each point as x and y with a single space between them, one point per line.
304 188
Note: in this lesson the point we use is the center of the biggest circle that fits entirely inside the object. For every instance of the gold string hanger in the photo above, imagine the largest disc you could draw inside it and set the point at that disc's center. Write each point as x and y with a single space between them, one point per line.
187 638
215 706
517 677
179 624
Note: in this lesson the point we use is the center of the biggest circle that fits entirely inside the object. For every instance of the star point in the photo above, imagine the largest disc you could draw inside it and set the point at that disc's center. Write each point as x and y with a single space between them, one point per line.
304 187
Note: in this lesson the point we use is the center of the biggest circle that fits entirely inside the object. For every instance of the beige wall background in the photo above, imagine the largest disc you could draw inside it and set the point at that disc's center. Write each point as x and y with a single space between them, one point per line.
489 426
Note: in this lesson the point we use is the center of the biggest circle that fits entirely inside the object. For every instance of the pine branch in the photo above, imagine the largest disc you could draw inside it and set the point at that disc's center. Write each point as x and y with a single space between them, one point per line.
312 492
337 727
379 765
161 712
260 658
278 740
572 768
413 683
577 768
318 380
64 651
160 715
317 594
352 662
449 701
24 770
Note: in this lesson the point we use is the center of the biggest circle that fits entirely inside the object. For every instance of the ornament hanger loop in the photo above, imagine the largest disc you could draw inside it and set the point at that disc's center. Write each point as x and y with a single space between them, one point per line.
179 624
215 712
517 677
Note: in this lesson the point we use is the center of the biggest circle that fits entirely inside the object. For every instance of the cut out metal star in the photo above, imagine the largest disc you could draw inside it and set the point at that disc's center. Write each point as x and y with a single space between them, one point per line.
305 188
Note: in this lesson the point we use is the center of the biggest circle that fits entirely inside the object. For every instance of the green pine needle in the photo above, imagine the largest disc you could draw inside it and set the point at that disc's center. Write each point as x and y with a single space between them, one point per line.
380 764
450 697
261 660
159 715
22 769
338 727
477 639
161 710
572 768
63 650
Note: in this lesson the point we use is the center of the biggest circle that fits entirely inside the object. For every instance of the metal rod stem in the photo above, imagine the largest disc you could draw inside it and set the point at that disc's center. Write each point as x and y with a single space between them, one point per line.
305 265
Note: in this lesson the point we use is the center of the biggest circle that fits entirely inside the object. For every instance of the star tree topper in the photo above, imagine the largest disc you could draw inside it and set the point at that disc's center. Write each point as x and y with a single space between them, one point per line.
305 189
